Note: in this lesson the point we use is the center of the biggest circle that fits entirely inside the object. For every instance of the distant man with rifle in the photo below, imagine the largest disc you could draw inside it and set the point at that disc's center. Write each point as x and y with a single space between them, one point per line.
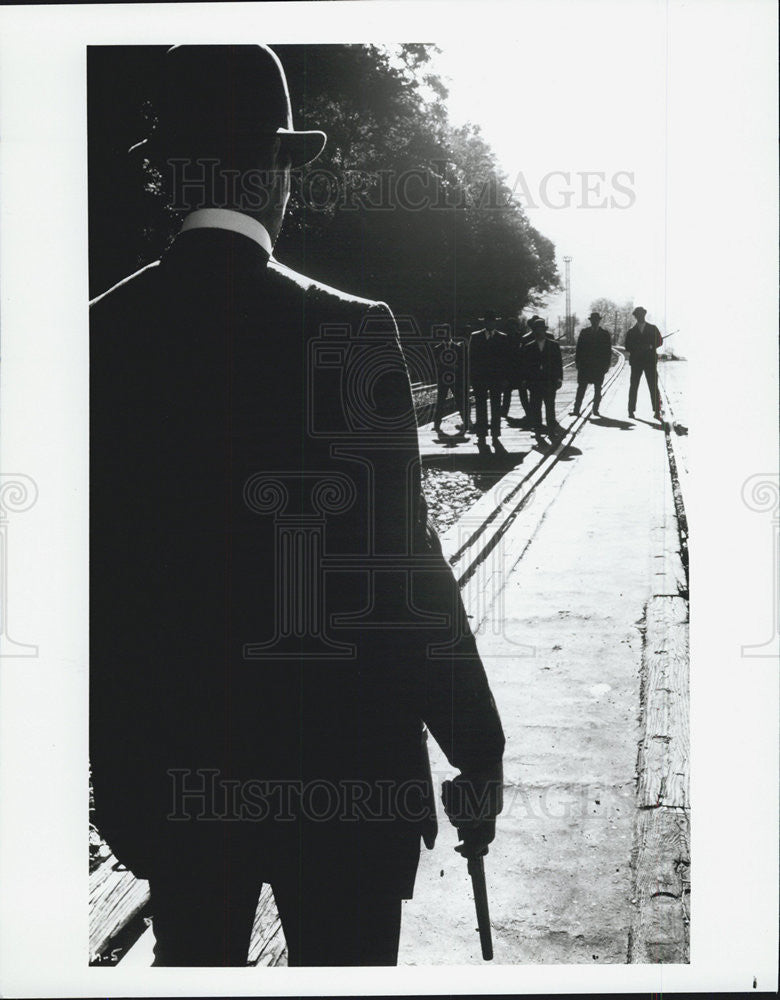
592 357
273 623
642 342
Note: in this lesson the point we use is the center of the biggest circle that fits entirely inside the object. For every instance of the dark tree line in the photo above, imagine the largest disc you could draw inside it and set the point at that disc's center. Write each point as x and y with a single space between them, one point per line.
401 206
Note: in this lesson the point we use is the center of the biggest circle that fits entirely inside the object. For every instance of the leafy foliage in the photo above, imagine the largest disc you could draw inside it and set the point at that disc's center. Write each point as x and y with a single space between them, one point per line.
617 319
401 206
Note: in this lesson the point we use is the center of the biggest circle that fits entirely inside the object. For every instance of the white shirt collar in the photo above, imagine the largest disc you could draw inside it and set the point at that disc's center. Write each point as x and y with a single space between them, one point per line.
226 218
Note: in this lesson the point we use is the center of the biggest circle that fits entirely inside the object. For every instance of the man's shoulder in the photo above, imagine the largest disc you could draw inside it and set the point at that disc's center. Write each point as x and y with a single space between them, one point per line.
133 286
317 293
290 291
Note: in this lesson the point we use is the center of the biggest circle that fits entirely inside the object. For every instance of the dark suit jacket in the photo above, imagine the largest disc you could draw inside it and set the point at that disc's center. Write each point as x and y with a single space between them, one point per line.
490 360
249 425
542 367
593 354
641 345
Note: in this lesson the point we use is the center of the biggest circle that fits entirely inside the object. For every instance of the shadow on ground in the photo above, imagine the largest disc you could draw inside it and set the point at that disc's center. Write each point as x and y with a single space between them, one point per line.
548 447
624 425
485 468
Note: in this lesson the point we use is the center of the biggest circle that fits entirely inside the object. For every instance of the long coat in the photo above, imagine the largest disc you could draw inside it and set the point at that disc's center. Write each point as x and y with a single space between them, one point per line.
641 345
256 513
543 368
490 359
593 354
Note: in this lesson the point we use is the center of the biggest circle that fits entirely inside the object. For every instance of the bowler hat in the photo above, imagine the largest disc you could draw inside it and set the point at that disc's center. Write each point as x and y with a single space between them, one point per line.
228 98
594 315
538 324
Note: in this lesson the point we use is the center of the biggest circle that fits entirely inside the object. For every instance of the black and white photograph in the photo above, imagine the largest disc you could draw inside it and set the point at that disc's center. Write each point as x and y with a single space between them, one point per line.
389 498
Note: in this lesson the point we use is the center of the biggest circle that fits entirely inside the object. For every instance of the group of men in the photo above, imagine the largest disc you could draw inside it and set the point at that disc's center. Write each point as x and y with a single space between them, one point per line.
228 683
530 361
499 362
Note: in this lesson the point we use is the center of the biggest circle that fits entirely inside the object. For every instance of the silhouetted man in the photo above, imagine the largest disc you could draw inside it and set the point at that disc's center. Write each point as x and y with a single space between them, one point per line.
489 365
543 374
642 342
253 717
451 378
592 357
514 332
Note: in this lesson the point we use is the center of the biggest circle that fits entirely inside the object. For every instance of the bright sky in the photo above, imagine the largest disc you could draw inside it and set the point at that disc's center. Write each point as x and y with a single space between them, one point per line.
580 89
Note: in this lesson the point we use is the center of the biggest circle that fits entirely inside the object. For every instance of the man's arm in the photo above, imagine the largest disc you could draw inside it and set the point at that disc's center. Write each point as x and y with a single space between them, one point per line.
558 365
579 350
440 662
475 359
606 353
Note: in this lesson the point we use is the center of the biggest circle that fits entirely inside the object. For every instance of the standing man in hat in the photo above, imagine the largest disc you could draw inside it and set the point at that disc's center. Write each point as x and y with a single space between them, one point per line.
450 361
642 341
526 337
490 362
253 718
592 358
543 374
514 336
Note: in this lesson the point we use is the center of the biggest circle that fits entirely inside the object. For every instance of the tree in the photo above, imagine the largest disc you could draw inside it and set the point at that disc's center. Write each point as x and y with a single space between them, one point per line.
625 321
617 319
446 241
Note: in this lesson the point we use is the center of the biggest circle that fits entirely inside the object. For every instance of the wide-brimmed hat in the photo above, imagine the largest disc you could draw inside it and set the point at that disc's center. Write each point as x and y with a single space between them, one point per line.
538 324
226 98
594 315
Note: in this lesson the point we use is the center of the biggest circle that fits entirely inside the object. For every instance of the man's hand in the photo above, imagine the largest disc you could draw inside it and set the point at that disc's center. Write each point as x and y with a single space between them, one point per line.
472 802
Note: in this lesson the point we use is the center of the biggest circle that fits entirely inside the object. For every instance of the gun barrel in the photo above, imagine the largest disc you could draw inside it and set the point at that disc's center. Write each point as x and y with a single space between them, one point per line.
476 867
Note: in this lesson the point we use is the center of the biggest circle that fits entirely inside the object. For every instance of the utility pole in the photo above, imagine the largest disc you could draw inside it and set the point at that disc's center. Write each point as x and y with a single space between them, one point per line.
569 336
